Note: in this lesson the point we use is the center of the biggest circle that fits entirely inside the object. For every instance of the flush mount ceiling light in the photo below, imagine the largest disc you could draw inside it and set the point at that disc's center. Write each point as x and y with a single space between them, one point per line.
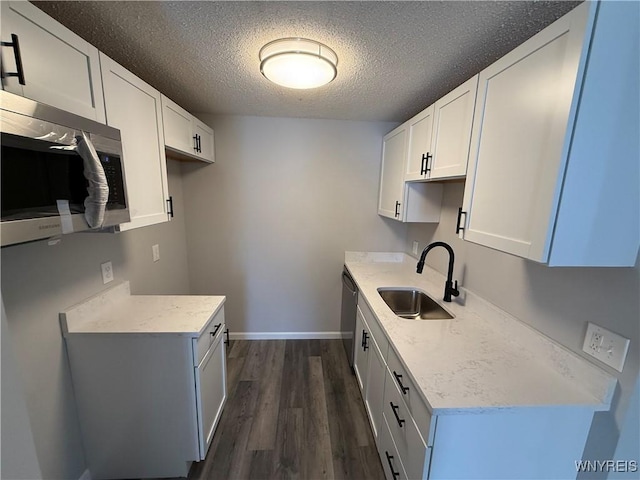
298 63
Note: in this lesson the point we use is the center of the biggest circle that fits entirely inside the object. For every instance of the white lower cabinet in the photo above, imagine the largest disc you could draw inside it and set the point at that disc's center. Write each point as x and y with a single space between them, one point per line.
413 443
361 354
370 363
148 403
391 464
211 389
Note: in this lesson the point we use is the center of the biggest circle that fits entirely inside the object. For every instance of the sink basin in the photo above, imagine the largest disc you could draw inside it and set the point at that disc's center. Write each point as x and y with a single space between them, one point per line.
413 304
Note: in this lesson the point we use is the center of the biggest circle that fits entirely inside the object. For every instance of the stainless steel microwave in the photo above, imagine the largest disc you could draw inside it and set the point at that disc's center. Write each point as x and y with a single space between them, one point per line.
44 178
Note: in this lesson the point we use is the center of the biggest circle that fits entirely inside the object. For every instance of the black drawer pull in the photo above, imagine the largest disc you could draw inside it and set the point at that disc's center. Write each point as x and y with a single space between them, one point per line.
213 334
393 472
399 380
395 409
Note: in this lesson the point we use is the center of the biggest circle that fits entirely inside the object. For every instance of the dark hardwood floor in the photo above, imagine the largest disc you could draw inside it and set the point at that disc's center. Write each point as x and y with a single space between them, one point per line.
293 411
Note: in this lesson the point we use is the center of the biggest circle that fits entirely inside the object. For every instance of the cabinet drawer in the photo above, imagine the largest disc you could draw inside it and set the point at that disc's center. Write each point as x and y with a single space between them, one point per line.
375 330
411 396
391 463
413 452
210 334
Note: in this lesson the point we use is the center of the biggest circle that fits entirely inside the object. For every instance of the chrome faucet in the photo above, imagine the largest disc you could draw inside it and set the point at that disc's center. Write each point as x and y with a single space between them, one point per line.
449 288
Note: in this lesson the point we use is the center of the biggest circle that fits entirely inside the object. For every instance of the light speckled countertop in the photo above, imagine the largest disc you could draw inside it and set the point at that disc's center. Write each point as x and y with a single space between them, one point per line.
116 311
481 360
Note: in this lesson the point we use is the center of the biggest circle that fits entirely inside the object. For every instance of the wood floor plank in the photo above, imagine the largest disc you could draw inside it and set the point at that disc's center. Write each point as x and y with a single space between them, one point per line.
289 444
227 454
317 460
340 377
348 432
235 366
260 463
295 369
238 348
265 420
253 365
293 412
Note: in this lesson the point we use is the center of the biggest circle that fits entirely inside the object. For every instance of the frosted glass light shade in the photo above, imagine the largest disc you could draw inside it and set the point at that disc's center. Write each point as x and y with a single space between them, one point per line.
298 63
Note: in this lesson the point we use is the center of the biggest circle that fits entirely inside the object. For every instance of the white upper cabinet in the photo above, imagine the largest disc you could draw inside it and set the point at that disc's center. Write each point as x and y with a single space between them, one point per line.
134 107
400 200
553 170
391 173
453 115
439 136
184 134
419 150
56 66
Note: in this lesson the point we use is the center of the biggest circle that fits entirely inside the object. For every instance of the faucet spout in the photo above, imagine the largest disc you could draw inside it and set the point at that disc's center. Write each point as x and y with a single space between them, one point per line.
449 288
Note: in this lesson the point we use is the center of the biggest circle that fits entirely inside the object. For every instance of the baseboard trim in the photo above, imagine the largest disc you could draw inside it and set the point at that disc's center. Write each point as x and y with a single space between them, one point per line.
86 475
284 336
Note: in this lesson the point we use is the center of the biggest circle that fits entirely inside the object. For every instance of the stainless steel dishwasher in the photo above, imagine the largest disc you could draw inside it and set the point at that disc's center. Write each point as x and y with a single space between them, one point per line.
349 311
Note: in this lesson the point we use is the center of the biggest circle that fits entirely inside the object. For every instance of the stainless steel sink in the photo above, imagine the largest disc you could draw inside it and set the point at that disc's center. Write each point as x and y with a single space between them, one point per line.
413 304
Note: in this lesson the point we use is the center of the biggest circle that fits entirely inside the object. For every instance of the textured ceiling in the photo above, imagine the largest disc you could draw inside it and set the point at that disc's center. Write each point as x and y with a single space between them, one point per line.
395 58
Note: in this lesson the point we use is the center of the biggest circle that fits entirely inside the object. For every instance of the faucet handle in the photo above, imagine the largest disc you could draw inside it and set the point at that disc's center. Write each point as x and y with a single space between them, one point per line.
454 291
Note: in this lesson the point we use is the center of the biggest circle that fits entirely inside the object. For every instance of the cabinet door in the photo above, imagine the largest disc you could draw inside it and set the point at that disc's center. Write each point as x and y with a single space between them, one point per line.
419 150
204 134
211 392
520 133
452 131
361 354
176 122
60 68
375 387
391 174
391 463
134 107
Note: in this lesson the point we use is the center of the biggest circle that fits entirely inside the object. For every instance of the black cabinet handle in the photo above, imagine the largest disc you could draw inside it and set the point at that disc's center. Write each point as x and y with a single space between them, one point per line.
425 168
195 142
16 53
458 227
399 380
426 159
226 333
213 334
393 472
397 207
395 409
365 338
199 143
170 207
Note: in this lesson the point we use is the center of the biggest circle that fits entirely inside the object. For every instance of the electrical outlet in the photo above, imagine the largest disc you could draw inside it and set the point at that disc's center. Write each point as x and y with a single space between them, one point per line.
415 248
107 272
608 347
156 252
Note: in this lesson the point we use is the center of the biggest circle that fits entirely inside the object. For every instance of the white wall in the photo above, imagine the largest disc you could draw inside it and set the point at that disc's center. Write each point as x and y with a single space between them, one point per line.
556 301
18 459
39 281
269 222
